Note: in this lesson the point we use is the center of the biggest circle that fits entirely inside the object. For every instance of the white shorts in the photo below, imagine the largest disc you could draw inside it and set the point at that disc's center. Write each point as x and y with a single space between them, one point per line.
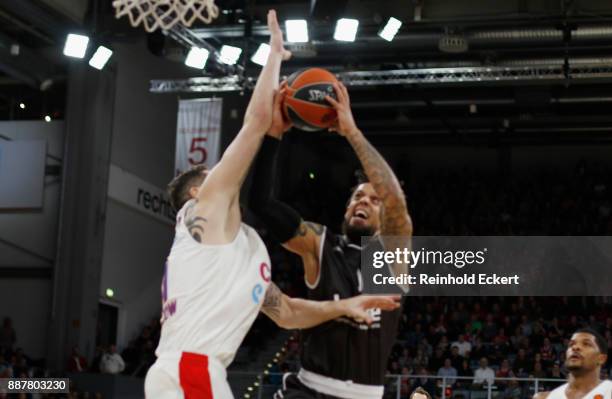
187 376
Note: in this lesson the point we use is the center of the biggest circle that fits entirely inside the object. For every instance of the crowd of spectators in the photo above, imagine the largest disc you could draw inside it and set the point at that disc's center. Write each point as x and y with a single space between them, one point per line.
527 202
479 338
573 200
493 337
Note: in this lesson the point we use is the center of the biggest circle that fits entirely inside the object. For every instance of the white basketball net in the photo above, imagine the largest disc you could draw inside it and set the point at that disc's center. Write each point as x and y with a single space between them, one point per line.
164 14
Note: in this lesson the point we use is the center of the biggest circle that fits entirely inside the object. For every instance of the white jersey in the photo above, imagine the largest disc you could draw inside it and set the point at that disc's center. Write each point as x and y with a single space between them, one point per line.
211 294
601 391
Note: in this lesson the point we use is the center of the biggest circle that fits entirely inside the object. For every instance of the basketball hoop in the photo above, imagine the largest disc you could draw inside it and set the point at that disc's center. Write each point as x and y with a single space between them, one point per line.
165 14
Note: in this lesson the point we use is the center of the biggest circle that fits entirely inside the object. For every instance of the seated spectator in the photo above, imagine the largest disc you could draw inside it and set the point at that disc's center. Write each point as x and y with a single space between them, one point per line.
547 353
538 371
443 343
414 337
476 324
440 327
421 359
522 364
427 384
498 351
489 330
437 360
455 358
464 371
405 382
394 368
504 371
479 351
512 390
111 362
462 345
526 326
557 374
76 363
483 374
449 372
425 347
501 337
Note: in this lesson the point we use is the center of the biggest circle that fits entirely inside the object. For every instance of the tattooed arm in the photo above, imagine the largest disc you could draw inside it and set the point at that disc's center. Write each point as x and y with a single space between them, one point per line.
293 313
395 219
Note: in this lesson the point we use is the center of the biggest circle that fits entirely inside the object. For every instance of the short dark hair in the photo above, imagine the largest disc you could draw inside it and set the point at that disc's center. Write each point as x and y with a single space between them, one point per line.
422 391
178 188
360 178
601 342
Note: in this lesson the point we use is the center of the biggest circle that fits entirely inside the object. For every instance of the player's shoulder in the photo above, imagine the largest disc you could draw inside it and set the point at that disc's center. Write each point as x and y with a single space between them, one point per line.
541 395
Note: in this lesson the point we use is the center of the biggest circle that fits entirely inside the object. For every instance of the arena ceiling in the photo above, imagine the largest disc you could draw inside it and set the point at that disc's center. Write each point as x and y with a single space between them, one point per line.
560 48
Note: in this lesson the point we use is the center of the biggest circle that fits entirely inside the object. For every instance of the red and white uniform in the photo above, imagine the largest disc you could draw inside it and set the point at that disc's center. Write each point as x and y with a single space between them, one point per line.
601 391
211 295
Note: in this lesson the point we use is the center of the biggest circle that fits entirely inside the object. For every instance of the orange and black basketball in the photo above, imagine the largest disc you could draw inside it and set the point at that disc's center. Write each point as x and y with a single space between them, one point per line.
305 103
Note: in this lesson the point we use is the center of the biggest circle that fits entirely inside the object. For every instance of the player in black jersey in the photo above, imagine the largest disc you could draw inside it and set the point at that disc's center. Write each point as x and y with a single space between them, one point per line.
342 358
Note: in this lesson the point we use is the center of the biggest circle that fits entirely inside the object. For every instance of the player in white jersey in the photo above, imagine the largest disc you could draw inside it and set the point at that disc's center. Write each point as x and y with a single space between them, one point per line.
218 276
585 355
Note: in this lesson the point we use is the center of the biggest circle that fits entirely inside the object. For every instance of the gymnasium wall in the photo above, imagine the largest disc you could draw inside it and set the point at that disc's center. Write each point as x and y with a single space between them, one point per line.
28 242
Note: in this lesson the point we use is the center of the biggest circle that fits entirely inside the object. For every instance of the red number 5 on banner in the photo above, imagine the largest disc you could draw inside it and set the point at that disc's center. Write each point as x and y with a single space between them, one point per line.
197 146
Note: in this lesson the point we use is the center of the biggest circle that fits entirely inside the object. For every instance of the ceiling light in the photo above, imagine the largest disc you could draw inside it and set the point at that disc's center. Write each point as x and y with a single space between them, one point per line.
100 57
391 28
346 30
297 30
197 58
76 45
261 55
230 54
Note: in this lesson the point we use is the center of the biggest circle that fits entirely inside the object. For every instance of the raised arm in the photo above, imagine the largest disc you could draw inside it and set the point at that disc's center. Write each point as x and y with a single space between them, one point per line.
227 176
214 217
396 220
296 313
285 224
396 224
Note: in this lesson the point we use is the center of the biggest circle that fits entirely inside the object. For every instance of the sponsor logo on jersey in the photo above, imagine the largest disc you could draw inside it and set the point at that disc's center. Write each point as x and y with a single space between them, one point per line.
266 274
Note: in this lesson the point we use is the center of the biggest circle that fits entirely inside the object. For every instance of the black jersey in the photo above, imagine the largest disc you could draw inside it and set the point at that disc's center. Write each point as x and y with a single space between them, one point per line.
343 348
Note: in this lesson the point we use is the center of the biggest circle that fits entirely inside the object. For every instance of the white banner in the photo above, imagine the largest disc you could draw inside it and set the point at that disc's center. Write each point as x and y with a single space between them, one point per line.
139 194
198 133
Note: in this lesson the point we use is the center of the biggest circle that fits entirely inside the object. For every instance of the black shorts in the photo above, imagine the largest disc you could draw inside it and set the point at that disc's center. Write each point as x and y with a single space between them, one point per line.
294 389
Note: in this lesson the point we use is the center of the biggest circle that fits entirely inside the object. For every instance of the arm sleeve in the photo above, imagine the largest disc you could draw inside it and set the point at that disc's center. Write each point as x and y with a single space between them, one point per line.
282 220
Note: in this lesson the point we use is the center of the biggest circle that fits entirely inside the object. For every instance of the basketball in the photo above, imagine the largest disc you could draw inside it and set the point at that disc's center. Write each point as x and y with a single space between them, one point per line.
305 103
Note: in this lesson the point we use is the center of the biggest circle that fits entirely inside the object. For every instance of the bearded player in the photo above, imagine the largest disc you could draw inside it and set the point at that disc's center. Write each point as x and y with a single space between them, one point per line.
341 358
217 276
585 355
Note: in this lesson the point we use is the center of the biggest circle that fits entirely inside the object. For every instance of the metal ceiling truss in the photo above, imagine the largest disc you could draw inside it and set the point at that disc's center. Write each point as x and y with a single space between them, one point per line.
430 76
188 39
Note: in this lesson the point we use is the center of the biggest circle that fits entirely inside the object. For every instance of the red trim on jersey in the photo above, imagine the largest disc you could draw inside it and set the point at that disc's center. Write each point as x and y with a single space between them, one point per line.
194 376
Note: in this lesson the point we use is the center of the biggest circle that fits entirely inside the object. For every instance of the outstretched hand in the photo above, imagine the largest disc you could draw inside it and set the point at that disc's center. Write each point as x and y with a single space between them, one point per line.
357 307
276 36
345 125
